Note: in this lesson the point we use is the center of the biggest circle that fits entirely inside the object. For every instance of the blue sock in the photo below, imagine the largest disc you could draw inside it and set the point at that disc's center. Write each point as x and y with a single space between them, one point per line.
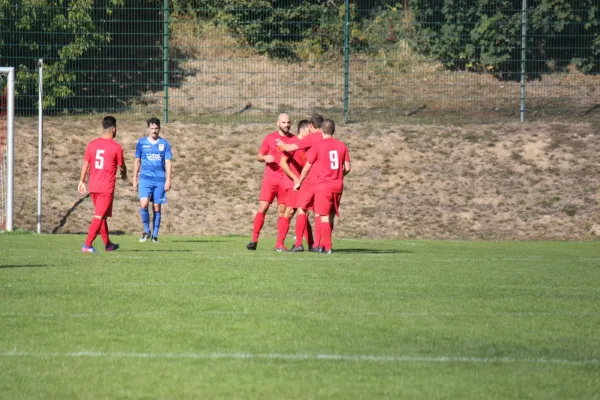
145 219
156 223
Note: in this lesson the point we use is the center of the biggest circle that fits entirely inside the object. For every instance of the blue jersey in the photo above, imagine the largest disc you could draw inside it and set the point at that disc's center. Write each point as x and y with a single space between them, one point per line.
153 157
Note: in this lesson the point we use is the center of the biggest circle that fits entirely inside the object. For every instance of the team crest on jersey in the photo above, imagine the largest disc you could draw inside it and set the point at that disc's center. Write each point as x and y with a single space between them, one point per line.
161 147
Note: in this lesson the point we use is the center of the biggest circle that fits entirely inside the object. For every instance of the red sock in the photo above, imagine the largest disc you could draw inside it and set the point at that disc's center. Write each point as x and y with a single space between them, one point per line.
104 232
283 227
317 230
301 221
93 231
259 221
326 235
308 235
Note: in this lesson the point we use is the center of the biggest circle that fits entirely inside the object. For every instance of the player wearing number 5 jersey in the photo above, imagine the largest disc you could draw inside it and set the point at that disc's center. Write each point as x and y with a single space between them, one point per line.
102 156
331 159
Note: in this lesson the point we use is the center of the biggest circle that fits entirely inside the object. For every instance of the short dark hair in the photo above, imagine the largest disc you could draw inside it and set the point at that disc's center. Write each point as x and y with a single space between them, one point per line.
109 122
153 121
328 127
316 120
303 124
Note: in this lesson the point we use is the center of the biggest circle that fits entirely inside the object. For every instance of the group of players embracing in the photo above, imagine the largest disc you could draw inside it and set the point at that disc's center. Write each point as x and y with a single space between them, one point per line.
304 172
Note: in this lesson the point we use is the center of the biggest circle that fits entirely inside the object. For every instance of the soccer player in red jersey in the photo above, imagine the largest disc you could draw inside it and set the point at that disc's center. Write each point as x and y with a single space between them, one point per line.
306 193
102 156
291 164
331 159
272 183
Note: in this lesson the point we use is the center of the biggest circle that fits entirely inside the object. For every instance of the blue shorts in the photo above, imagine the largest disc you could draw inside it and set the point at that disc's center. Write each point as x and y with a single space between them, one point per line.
153 191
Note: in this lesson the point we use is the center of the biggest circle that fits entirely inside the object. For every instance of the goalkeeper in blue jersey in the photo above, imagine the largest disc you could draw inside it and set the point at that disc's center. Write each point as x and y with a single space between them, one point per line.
152 176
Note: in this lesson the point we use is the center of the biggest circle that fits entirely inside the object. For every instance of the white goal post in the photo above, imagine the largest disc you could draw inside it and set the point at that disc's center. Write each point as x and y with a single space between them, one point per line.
10 138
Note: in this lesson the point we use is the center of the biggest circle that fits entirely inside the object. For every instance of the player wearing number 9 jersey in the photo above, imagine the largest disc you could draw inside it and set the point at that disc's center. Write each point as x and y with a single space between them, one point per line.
102 156
331 160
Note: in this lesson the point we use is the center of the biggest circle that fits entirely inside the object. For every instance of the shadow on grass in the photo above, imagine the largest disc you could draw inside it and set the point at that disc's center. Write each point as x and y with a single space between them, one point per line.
195 241
26 266
112 233
121 250
371 251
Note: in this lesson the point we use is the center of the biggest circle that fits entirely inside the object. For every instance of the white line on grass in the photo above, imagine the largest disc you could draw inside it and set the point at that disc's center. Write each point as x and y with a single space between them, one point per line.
306 356
367 314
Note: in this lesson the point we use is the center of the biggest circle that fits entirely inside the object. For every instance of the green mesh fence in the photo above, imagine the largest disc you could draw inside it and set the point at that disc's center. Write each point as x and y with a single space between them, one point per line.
413 60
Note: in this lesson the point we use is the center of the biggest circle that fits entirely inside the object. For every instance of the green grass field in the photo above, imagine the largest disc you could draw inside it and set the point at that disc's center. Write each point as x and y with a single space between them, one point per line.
202 317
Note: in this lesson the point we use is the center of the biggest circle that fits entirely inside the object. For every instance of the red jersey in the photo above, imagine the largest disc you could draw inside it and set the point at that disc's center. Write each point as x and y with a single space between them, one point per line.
305 144
103 155
273 171
328 157
296 161
310 140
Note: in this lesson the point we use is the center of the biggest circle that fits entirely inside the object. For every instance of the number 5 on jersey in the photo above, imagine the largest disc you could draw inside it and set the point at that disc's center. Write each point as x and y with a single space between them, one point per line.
99 164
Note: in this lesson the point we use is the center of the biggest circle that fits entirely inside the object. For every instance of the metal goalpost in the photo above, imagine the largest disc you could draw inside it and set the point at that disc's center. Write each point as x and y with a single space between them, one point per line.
8 194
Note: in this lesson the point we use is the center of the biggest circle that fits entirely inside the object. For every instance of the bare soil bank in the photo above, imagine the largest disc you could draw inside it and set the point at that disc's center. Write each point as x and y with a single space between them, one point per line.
510 181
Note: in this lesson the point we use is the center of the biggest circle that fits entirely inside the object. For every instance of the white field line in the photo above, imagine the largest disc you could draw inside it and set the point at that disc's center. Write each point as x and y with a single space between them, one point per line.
306 357
406 314
378 288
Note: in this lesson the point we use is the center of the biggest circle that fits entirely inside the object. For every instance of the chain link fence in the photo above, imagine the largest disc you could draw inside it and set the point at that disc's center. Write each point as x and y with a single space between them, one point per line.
417 60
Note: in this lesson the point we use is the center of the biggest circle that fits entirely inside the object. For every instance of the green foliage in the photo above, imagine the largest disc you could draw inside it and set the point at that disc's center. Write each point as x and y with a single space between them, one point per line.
60 32
485 35
298 30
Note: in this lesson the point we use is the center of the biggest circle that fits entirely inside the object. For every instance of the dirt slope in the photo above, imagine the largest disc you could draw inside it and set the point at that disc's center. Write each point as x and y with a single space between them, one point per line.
471 182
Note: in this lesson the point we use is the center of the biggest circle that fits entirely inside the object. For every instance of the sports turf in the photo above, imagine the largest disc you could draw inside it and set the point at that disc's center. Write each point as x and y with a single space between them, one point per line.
202 317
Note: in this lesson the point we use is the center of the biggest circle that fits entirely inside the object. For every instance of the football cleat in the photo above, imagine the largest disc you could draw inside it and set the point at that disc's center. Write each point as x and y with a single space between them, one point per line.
280 249
86 249
323 251
154 239
315 249
112 247
252 246
297 249
145 236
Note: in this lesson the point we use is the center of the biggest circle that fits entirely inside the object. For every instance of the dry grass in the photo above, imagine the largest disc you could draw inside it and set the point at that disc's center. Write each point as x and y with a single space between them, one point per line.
223 77
497 181
475 182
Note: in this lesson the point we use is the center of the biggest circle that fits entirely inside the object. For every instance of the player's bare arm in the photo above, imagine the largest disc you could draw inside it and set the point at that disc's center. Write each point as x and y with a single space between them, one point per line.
285 166
81 187
136 170
168 169
347 167
289 147
123 171
266 158
303 174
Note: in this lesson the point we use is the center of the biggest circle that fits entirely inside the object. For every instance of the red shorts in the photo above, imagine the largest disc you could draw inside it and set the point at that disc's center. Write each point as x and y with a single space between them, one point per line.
327 203
271 189
291 198
306 199
102 203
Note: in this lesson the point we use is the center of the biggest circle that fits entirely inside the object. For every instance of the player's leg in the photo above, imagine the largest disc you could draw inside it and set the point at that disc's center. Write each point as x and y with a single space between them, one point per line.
283 227
108 245
96 224
308 232
145 191
324 202
300 227
318 232
302 202
267 194
160 197
283 222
